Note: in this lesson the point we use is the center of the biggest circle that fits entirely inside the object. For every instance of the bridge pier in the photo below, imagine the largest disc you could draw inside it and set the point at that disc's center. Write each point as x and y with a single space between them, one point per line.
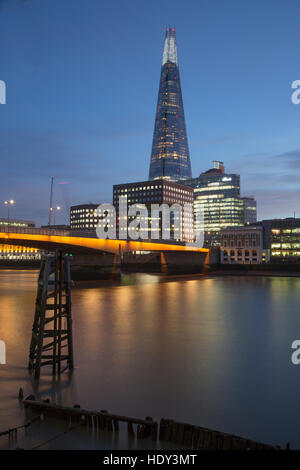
95 266
181 262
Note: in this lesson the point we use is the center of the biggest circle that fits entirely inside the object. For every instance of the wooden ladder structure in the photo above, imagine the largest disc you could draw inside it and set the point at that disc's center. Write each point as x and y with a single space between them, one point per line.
51 341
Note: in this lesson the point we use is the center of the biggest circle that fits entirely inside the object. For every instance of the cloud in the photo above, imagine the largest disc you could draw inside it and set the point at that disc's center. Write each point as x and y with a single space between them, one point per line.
273 203
291 159
256 177
268 176
288 178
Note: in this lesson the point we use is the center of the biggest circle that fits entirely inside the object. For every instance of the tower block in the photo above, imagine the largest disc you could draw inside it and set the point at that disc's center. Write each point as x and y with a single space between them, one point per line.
170 158
51 341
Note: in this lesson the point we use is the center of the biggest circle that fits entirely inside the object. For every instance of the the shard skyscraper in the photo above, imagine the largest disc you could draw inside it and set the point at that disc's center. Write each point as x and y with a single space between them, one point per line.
170 157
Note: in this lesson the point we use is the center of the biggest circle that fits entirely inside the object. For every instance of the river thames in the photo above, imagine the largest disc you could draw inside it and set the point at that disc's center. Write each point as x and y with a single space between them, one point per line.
211 351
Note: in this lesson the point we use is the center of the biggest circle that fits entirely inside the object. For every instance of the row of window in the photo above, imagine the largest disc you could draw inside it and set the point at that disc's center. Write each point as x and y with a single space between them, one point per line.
247 254
20 256
276 231
153 189
286 253
239 243
288 246
84 211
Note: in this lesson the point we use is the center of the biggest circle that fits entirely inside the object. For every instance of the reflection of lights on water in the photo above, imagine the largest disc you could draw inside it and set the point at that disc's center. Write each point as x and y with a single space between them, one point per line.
140 278
123 298
91 298
147 278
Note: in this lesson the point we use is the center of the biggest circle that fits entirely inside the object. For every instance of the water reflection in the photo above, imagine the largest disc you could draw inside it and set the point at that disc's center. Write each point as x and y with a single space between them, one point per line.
211 351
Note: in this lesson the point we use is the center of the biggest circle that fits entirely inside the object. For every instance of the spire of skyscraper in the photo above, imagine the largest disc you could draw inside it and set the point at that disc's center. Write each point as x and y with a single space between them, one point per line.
170 48
170 152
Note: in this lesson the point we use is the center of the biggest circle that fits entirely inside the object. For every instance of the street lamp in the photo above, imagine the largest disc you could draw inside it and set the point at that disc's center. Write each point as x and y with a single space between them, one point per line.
8 203
57 208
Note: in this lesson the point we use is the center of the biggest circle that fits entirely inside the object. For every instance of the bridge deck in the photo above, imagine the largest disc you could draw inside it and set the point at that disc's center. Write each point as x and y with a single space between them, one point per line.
49 239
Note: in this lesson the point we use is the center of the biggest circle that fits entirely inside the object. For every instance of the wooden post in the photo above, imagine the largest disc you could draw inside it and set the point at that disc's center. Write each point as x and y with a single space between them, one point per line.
53 305
103 419
116 425
130 428
109 424
154 431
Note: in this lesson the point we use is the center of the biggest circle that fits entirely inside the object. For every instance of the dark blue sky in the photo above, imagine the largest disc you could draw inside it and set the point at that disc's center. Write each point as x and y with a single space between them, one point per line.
82 81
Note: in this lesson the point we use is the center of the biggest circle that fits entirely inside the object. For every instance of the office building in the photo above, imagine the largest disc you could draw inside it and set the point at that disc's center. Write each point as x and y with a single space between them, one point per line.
250 210
243 245
217 198
19 253
157 192
282 237
83 217
275 240
16 223
14 252
170 157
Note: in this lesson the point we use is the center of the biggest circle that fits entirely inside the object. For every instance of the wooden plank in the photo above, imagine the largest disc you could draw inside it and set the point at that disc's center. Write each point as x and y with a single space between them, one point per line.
169 430
63 410
227 442
196 437
188 435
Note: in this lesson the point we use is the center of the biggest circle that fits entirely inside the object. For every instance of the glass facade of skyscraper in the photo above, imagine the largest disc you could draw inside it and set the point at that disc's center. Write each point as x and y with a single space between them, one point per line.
170 152
217 197
250 210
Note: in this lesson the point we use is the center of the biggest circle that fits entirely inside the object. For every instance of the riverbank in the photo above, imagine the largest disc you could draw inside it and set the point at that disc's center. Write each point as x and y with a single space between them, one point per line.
290 270
20 264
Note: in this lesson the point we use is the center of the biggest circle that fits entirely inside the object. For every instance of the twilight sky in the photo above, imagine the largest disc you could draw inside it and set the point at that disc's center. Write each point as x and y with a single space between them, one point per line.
82 81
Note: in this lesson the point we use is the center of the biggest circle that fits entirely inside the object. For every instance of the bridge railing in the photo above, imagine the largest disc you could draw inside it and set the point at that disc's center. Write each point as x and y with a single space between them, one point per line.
35 231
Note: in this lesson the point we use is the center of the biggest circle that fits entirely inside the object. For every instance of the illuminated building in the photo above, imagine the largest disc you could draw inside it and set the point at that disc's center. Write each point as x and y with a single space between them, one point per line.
170 152
217 197
157 192
282 236
84 217
17 253
15 223
250 210
243 245
274 241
